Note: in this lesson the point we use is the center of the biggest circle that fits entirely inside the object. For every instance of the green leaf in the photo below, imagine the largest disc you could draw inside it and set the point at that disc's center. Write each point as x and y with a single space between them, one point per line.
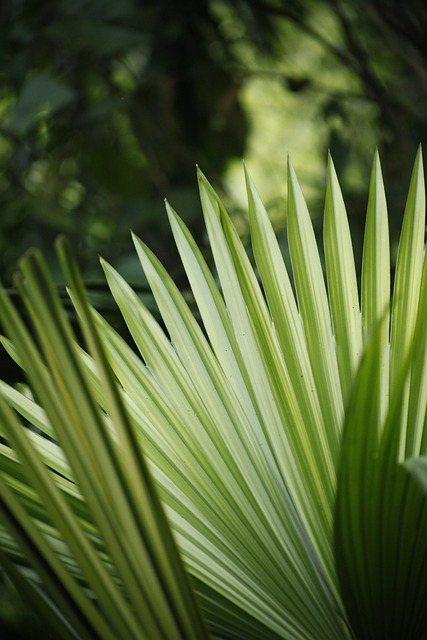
248 469
342 282
116 485
406 292
314 309
287 327
40 94
417 467
381 516
375 287
256 540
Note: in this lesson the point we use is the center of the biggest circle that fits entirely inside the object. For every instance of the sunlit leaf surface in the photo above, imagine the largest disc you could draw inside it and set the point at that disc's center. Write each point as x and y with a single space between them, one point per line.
256 473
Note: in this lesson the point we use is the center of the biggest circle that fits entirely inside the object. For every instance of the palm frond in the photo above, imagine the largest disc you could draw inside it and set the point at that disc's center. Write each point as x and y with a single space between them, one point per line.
256 470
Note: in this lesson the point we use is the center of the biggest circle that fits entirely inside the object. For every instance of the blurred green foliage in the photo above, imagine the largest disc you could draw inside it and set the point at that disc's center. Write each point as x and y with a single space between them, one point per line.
16 622
105 107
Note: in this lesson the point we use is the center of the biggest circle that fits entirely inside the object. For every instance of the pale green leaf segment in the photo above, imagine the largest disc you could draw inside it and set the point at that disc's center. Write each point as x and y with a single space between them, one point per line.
288 529
139 589
375 294
381 514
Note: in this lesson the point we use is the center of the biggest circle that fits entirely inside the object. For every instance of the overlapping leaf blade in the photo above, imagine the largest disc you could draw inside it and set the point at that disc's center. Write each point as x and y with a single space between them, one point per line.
119 502
222 512
294 455
314 309
240 418
381 519
287 326
256 541
381 516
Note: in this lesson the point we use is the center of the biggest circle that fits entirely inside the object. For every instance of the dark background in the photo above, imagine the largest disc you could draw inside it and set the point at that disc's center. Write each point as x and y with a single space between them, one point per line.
106 107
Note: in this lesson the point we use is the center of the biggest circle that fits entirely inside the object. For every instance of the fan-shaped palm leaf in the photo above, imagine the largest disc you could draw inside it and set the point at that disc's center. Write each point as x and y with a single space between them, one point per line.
281 431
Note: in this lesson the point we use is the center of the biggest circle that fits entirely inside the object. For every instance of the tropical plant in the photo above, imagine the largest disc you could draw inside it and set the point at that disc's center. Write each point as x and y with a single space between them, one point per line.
258 473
